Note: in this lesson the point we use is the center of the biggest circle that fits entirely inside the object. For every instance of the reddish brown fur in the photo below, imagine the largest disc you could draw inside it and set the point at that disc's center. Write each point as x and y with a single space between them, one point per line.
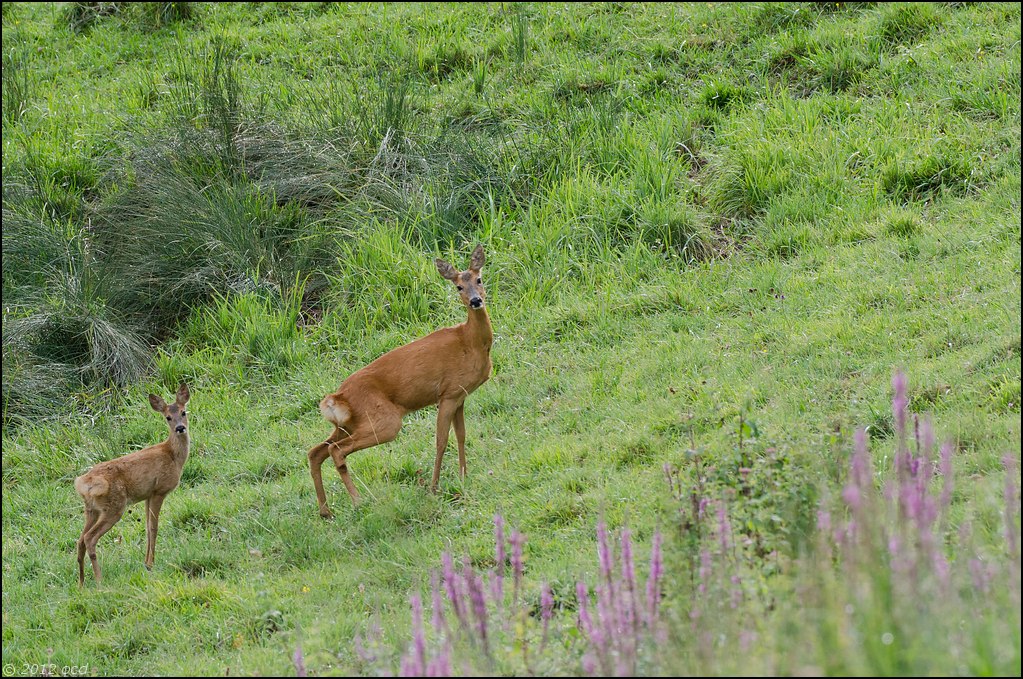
443 368
148 474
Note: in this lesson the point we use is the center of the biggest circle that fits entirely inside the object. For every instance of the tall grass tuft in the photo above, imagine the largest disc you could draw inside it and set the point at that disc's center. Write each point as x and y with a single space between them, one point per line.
81 16
520 35
175 242
17 85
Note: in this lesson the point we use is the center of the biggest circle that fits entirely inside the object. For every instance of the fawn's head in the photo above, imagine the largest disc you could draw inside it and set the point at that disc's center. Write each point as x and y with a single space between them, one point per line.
177 418
468 282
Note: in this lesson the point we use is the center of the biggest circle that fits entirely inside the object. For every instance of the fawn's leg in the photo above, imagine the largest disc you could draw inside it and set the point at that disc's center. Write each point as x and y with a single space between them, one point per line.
90 519
104 522
445 414
367 433
152 522
317 454
460 436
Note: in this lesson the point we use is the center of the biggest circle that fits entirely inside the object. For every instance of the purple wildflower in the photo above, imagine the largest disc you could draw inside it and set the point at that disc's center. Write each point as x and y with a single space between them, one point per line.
653 583
630 614
440 664
437 619
497 583
452 589
478 602
705 568
981 575
517 540
299 660
585 624
899 401
546 608
418 634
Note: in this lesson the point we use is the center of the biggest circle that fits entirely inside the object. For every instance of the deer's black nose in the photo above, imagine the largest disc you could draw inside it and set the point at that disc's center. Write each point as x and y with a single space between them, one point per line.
476 302
180 429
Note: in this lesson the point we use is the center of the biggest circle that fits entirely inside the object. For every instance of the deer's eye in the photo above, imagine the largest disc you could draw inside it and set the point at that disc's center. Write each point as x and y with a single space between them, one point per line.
183 413
479 281
168 418
460 288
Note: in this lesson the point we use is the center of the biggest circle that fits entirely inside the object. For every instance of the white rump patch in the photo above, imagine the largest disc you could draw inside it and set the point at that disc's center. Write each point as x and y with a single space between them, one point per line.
334 410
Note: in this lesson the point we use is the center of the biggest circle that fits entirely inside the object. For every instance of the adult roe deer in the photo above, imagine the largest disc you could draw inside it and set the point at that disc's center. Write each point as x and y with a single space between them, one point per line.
148 474
443 368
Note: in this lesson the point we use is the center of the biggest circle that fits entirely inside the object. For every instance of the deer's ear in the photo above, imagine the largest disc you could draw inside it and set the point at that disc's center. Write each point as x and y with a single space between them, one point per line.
478 258
445 269
158 403
183 394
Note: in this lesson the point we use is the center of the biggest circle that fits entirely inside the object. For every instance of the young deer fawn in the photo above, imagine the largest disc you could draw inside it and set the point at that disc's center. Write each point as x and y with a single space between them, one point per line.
443 368
148 474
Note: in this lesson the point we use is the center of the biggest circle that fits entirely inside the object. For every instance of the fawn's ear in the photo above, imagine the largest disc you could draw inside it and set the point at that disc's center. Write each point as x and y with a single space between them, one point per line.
445 269
183 394
476 263
158 403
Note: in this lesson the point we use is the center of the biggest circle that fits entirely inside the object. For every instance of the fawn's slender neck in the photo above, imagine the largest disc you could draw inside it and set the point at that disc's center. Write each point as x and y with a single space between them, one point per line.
179 445
478 326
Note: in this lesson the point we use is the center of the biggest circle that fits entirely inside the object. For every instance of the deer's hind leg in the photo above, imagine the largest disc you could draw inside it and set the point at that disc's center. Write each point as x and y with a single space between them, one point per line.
90 520
317 455
106 520
370 430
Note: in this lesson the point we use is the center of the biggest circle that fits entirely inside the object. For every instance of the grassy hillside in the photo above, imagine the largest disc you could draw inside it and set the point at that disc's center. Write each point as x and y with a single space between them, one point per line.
714 232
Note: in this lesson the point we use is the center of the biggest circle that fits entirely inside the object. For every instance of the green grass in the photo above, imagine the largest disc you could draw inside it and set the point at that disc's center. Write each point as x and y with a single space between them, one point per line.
692 214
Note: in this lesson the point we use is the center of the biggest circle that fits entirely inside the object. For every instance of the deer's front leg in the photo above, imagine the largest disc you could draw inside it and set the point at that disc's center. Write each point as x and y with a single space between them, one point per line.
445 414
460 436
152 523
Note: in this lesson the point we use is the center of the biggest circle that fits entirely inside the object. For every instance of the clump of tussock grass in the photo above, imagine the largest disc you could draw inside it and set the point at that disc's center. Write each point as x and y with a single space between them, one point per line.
74 325
747 179
901 24
828 64
924 178
772 18
176 241
155 15
62 329
81 16
723 94
902 224
445 60
34 389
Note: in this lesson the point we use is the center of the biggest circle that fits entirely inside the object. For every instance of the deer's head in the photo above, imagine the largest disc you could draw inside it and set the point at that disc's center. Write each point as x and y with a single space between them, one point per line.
174 413
468 282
